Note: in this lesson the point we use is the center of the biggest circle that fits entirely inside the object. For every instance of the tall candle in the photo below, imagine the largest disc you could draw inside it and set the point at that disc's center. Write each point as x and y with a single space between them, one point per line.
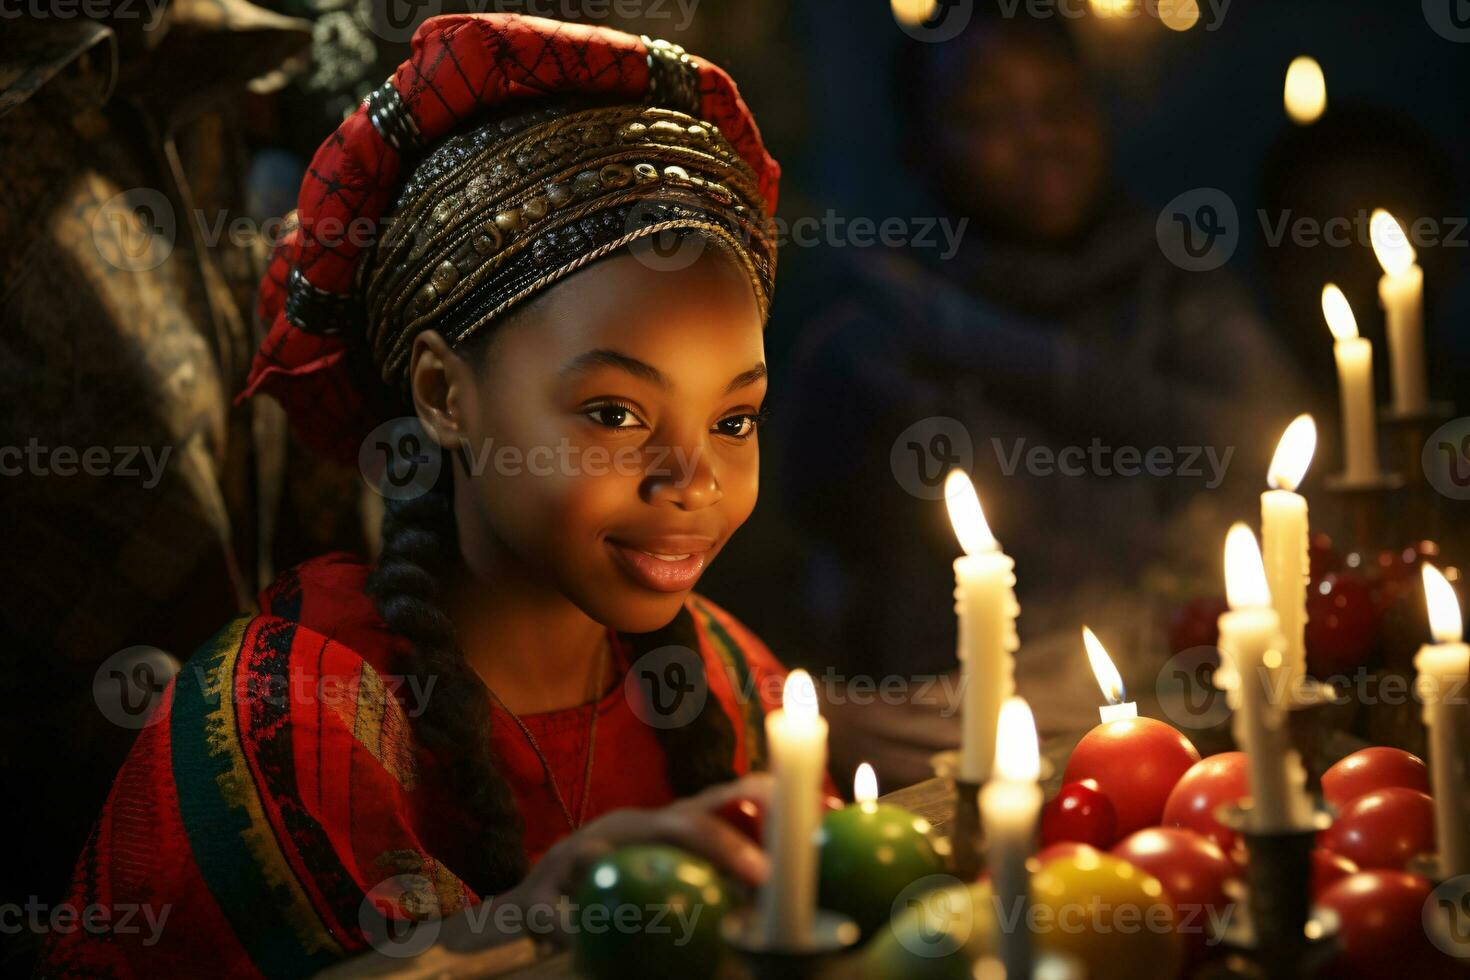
1284 543
1355 385
1250 644
796 740
1401 292
1108 678
1444 685
985 600
1009 804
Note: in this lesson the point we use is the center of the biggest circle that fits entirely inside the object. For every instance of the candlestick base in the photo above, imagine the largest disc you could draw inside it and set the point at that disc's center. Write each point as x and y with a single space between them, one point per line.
966 837
1275 928
1409 431
831 935
1433 413
1367 505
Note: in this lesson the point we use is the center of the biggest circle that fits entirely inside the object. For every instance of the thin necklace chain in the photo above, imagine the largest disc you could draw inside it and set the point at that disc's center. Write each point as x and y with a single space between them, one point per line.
603 653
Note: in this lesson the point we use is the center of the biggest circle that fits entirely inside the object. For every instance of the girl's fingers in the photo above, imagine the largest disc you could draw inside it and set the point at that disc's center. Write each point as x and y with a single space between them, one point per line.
756 786
706 835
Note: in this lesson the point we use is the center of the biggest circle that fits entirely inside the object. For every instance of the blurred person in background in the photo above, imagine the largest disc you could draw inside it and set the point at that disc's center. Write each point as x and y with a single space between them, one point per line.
1119 410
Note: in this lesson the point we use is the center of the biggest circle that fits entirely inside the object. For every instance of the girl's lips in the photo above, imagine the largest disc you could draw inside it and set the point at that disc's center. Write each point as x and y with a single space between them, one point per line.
664 570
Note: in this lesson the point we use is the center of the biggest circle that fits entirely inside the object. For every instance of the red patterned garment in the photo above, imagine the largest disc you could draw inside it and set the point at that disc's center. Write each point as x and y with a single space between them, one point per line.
279 785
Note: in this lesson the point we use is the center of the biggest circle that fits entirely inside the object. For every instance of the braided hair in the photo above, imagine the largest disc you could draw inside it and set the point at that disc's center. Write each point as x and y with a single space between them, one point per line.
419 562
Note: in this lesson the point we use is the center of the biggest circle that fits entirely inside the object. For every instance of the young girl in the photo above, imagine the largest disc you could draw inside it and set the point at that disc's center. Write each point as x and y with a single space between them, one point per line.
479 291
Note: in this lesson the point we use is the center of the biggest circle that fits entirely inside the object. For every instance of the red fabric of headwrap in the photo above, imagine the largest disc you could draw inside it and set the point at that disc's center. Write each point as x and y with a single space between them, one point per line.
460 66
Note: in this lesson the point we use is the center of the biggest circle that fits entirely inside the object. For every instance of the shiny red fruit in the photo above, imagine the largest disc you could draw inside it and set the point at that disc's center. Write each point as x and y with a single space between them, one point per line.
1382 929
1201 791
1194 872
1341 624
1328 869
749 817
1376 767
1136 762
1080 812
1383 828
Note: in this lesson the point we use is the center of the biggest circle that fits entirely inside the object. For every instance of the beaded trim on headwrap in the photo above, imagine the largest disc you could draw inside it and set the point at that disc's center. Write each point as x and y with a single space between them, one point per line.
672 78
391 119
499 213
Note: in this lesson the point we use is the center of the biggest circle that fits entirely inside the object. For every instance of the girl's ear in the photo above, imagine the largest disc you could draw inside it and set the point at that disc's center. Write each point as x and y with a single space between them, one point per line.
439 379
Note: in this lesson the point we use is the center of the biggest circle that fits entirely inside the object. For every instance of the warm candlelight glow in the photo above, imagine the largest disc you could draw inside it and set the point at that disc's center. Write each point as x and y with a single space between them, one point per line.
1017 752
1390 243
865 785
1339 314
965 514
1245 573
1113 8
913 12
799 696
1306 90
1293 454
1444 608
1180 15
1103 668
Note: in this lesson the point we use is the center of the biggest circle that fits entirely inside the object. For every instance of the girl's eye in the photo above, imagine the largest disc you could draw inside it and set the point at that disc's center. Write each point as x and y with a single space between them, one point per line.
613 417
740 426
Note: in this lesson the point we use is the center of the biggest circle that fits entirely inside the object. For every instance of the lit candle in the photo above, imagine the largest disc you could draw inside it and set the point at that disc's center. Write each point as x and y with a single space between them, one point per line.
985 600
1355 385
1284 543
1009 804
1401 291
1250 644
1444 669
796 739
1108 678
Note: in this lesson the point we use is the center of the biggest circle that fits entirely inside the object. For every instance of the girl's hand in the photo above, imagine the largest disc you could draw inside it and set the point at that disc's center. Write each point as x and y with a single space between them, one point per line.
689 823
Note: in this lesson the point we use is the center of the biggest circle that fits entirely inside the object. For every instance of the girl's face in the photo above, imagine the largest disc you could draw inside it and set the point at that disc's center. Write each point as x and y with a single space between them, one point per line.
610 432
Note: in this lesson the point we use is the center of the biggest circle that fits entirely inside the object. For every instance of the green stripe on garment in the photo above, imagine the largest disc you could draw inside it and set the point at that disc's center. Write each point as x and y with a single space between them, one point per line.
747 698
209 772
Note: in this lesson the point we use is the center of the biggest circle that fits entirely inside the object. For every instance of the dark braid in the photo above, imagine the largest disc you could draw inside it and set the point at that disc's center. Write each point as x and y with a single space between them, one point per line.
420 556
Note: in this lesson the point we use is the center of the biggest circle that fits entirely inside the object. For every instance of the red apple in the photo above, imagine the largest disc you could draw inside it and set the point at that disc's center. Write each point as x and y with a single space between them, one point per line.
1080 812
1194 872
1382 929
1200 792
1328 869
1135 762
1376 767
1383 828
749 817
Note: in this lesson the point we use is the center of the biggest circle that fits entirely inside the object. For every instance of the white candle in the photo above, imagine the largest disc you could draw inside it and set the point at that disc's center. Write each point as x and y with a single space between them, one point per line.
796 739
1444 669
1108 678
1250 644
1401 292
1355 385
985 601
1284 542
1009 804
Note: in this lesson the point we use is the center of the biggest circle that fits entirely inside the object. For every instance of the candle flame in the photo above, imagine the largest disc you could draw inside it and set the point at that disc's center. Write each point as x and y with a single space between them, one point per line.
1293 454
1103 668
913 12
799 696
1444 609
1306 90
965 514
865 784
1339 313
1245 572
1017 754
1390 244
